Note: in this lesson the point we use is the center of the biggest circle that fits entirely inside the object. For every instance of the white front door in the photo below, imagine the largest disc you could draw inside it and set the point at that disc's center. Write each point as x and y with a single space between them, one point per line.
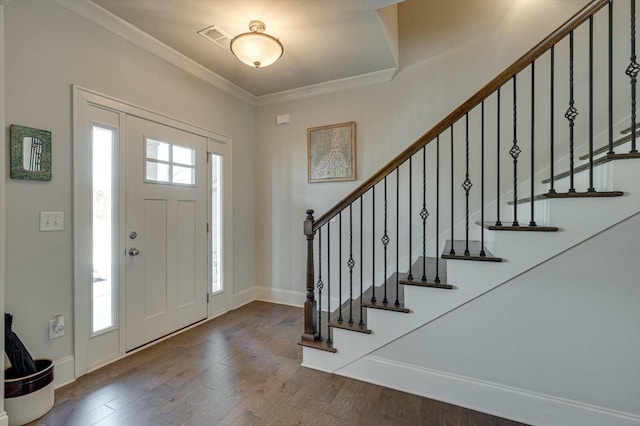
166 230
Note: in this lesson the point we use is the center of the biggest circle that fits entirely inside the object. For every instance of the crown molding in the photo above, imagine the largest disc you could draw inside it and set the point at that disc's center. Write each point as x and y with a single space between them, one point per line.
375 77
119 27
115 25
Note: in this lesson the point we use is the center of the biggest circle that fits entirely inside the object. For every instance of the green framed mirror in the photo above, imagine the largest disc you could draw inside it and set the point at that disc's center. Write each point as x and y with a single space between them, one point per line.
30 153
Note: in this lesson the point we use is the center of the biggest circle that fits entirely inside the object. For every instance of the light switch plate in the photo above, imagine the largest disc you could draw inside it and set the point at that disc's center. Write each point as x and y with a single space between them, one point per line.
51 221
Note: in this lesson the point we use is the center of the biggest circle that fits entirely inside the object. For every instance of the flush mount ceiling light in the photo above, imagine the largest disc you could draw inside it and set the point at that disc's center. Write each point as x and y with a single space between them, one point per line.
256 48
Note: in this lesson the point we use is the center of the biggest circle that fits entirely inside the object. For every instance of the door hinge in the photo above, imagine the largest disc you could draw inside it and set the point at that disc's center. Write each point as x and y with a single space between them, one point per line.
208 156
207 227
207 297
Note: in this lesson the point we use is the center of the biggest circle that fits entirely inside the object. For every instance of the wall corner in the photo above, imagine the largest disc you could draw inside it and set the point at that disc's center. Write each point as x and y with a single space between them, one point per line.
3 416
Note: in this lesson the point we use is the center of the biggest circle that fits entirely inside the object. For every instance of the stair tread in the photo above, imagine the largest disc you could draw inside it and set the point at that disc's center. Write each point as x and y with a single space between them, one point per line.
355 326
317 344
526 228
389 306
475 248
427 283
586 194
624 156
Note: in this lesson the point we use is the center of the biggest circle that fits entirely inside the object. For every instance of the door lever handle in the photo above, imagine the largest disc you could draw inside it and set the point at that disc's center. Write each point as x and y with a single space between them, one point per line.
134 251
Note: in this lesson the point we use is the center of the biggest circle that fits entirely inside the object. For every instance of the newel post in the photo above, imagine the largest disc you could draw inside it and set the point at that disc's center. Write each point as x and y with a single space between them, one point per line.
310 329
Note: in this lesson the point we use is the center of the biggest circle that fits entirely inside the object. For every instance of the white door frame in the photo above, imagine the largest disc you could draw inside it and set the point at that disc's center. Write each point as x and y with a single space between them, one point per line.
83 99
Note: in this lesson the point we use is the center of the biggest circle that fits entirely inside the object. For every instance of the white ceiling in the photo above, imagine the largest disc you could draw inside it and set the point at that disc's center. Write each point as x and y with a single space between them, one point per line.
324 40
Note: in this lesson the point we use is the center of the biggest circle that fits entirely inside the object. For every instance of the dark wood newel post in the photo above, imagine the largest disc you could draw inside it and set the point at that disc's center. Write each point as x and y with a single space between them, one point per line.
310 328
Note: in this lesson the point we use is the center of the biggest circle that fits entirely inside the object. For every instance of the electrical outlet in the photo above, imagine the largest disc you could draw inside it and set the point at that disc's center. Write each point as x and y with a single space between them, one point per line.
56 327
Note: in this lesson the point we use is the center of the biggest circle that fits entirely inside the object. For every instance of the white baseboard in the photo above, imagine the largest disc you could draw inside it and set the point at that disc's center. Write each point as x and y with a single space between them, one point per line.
276 295
280 296
63 371
244 296
4 420
492 398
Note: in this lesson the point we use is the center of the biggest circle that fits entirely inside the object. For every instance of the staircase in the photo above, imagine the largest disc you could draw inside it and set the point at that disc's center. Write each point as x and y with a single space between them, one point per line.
513 178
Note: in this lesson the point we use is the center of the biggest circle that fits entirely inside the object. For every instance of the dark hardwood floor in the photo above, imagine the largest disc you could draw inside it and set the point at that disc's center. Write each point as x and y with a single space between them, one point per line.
242 368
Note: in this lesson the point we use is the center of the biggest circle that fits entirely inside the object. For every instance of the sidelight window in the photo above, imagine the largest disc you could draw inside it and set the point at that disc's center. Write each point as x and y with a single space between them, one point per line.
216 223
103 141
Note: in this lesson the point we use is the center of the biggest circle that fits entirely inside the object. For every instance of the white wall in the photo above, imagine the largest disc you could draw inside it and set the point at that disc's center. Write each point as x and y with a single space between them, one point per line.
3 138
565 330
47 50
447 53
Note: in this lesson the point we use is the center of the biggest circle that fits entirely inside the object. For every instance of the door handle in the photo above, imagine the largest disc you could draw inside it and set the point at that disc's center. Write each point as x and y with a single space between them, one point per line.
134 251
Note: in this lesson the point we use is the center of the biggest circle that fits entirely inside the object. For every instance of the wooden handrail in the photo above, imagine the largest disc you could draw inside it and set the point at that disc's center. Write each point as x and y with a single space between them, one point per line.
467 106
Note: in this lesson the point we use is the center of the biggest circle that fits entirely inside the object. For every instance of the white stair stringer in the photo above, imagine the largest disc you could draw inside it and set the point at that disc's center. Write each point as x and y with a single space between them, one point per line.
578 219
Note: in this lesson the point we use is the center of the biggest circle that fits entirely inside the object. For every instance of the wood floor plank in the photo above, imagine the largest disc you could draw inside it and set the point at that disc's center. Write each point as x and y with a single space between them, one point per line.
453 415
242 368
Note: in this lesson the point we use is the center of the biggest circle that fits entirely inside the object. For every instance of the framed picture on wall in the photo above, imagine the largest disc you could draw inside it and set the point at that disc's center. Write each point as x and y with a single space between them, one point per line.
331 152
30 154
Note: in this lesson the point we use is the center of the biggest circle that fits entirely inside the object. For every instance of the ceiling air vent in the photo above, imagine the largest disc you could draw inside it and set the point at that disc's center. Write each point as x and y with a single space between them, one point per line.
216 36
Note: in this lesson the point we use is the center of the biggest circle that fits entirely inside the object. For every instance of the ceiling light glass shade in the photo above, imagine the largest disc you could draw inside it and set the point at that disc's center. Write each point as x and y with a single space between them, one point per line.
255 48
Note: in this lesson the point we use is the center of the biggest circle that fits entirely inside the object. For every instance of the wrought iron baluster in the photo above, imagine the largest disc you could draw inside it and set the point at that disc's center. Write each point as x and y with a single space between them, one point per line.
552 189
329 340
361 261
452 251
340 319
632 72
424 214
610 77
498 222
385 242
482 252
571 115
410 275
533 109
591 187
373 246
320 284
351 263
437 278
397 302
466 185
515 153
